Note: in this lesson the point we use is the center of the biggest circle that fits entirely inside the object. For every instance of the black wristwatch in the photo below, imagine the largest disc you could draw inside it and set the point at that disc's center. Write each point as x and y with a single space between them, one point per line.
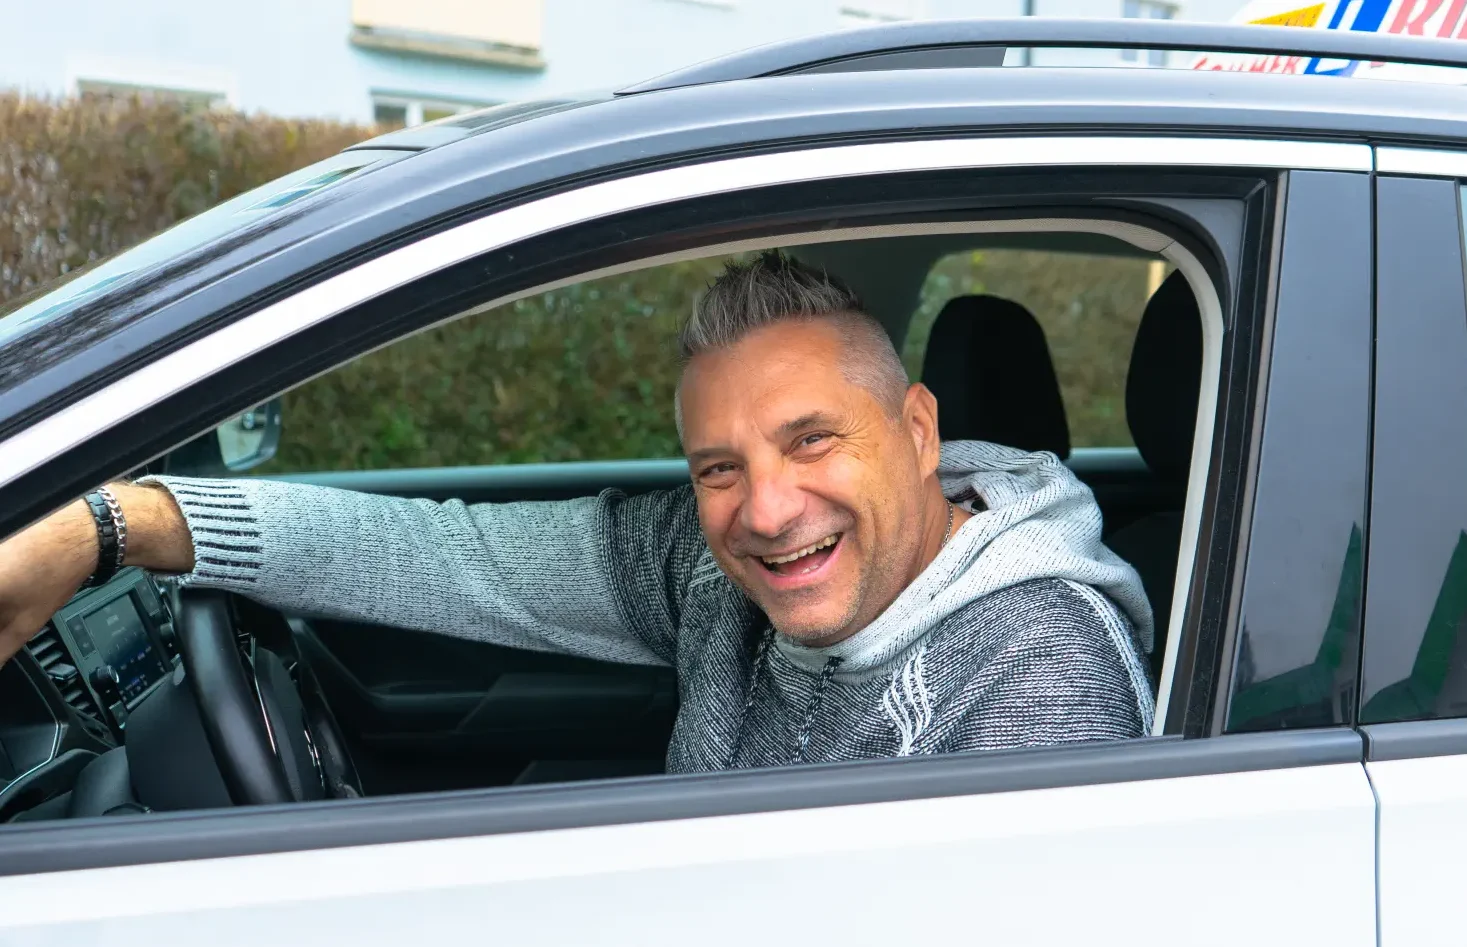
111 534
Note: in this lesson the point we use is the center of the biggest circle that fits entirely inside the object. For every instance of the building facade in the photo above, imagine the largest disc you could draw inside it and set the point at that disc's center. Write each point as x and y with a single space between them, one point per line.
406 61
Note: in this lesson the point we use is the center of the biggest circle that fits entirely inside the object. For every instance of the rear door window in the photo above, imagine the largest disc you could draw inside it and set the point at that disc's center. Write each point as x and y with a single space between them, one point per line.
1089 305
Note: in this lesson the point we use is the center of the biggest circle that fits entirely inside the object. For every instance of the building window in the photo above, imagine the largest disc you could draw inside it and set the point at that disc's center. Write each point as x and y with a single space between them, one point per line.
872 12
501 33
1146 10
405 111
389 114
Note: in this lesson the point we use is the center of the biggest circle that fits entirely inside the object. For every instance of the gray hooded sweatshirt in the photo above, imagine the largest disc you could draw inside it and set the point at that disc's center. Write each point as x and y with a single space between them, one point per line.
1024 630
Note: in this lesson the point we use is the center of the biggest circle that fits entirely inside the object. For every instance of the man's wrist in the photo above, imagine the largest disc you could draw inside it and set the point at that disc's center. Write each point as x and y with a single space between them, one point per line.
158 535
76 541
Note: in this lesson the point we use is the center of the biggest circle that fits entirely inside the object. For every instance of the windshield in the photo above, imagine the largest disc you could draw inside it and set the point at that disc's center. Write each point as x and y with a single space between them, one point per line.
31 310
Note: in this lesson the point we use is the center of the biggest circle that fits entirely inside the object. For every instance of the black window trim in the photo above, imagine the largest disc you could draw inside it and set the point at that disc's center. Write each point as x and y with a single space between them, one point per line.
1421 197
1323 344
1266 304
1415 739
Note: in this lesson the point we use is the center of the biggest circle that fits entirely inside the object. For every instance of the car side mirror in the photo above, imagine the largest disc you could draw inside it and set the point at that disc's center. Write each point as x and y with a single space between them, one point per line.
249 439
244 441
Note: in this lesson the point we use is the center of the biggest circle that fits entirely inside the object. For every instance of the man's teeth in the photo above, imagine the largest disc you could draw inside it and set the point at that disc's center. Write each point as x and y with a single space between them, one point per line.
801 553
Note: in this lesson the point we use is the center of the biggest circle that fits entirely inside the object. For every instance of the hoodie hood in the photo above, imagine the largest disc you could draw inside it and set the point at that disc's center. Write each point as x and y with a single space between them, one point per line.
1037 521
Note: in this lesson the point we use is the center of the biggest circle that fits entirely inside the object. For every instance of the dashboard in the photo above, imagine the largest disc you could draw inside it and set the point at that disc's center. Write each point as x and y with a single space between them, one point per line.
119 641
98 658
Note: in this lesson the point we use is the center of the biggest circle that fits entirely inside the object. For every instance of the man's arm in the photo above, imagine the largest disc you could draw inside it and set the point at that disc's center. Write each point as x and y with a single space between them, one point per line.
545 576
42 566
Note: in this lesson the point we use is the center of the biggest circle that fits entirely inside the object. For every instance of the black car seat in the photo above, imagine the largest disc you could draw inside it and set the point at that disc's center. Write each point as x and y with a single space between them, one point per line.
1162 387
988 364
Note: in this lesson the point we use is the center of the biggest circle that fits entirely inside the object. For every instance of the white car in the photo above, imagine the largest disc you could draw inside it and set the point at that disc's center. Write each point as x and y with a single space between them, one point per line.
1288 386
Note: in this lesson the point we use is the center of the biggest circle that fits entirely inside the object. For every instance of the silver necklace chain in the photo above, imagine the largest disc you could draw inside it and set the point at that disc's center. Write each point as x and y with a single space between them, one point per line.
949 533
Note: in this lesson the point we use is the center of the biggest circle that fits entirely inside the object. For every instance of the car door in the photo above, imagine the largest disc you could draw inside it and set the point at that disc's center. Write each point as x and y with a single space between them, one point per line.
1048 845
1414 694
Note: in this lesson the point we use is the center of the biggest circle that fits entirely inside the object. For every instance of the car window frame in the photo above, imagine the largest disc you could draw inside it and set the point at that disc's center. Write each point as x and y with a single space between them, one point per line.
193 834
437 483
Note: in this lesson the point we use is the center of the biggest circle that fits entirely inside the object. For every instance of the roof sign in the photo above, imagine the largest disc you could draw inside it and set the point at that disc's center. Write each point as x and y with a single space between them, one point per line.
1446 19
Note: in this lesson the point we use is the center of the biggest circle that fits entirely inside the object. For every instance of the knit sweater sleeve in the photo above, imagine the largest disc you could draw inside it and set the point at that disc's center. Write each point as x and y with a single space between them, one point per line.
598 577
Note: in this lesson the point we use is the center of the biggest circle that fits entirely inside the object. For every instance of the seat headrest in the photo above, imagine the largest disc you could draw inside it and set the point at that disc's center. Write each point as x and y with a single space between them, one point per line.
988 364
1165 377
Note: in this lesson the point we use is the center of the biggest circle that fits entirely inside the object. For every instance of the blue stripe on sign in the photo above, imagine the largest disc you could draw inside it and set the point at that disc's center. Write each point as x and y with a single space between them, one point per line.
1369 15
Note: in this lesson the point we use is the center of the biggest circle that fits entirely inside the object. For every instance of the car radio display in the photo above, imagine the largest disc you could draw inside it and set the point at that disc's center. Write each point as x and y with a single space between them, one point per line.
122 641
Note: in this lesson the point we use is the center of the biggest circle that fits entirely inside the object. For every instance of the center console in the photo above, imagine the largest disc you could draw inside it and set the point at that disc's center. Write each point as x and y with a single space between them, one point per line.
119 642
64 712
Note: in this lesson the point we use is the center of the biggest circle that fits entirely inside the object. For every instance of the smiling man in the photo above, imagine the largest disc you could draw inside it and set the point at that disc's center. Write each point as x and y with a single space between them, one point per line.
835 584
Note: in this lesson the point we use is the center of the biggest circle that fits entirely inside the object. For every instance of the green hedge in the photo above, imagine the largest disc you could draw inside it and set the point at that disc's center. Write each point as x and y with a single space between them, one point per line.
81 179
581 373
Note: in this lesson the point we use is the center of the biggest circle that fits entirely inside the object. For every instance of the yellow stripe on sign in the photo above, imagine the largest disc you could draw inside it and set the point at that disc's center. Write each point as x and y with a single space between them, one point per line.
1304 16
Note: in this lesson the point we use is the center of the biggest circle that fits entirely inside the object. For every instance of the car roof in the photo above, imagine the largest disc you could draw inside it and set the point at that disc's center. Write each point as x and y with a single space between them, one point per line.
475 122
946 43
486 160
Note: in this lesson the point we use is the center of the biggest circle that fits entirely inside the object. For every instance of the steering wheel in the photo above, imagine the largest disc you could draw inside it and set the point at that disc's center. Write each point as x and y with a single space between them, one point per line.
272 734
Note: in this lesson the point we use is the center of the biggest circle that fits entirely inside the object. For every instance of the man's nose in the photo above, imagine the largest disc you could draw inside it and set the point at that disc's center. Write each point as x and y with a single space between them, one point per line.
774 502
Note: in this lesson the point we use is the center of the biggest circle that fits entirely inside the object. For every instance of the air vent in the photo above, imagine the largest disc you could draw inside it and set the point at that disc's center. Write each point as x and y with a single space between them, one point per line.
50 653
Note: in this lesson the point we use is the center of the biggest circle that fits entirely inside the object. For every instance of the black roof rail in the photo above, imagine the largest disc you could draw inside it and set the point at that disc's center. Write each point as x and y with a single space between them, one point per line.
932 44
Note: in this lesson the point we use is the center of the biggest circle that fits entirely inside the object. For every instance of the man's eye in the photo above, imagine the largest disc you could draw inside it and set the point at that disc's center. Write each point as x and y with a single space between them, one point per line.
716 470
810 440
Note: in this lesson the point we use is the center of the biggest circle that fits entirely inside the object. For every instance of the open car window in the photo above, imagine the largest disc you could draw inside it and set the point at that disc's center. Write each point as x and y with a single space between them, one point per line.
577 382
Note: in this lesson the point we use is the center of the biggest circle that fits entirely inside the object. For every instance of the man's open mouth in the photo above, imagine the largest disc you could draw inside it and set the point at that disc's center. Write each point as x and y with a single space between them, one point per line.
803 560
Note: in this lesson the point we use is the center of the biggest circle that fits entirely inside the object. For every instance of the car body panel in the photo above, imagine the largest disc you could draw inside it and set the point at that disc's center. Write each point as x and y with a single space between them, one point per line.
996 863
1423 825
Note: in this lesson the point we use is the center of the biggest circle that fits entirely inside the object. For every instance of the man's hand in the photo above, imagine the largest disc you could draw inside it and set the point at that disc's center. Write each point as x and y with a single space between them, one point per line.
42 566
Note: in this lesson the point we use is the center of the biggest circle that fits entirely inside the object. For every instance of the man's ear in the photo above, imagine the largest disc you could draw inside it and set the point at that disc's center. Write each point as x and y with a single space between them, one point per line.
919 417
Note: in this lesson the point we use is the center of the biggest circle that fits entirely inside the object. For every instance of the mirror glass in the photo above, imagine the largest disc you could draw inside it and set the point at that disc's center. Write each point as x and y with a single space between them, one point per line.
249 439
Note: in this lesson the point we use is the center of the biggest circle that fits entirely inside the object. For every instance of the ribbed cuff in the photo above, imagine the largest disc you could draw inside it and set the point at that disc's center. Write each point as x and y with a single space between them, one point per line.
220 514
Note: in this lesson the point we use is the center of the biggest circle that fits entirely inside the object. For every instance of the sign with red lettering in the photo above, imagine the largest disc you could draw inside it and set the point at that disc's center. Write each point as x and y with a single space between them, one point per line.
1435 18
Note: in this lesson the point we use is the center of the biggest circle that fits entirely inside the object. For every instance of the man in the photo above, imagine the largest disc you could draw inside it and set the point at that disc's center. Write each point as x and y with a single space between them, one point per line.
833 585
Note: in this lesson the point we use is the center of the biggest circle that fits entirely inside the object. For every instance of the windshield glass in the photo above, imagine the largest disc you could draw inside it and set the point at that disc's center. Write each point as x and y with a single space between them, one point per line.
31 310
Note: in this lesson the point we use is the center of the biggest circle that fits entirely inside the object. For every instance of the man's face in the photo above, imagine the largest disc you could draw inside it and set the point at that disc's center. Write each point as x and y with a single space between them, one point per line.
810 493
